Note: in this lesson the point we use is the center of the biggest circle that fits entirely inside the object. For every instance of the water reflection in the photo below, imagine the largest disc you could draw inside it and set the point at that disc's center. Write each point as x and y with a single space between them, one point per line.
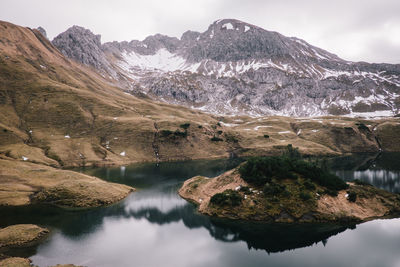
381 170
155 227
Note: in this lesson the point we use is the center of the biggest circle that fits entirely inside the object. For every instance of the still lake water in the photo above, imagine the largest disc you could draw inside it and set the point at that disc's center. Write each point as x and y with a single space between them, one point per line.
155 227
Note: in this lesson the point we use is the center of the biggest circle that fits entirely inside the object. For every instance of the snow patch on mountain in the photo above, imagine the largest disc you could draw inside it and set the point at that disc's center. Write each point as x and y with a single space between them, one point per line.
228 26
162 60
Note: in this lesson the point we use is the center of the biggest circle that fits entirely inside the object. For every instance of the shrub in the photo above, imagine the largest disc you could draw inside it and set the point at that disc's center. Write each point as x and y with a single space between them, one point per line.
245 189
216 139
180 134
219 124
219 132
359 182
227 198
362 126
266 136
166 133
304 195
231 138
318 175
292 152
273 189
352 196
309 185
185 126
200 126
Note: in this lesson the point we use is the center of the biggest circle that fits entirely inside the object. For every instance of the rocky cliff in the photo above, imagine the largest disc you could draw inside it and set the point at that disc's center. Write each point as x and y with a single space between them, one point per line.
238 68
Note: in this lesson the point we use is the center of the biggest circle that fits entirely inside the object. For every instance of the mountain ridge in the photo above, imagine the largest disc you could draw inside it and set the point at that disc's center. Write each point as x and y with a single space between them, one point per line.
236 68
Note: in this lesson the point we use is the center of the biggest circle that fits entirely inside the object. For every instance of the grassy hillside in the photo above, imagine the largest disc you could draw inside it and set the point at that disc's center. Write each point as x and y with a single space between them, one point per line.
57 112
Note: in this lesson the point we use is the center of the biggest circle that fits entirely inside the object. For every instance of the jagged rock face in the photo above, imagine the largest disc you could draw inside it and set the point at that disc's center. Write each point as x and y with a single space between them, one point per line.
239 68
83 46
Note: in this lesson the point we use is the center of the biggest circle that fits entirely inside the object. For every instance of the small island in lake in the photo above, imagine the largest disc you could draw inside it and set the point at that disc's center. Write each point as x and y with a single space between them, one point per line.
288 189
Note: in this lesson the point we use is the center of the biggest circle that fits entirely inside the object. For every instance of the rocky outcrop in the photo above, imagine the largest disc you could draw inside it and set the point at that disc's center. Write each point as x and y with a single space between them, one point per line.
42 31
238 68
83 46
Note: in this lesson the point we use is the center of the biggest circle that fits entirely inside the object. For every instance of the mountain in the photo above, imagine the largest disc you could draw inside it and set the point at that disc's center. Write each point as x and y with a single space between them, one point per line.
55 111
237 68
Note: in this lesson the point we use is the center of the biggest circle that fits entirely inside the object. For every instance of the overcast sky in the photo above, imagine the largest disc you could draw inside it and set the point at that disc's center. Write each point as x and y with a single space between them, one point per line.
357 30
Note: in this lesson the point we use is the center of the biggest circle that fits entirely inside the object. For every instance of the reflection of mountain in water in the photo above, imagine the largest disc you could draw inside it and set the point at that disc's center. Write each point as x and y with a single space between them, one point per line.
380 170
146 175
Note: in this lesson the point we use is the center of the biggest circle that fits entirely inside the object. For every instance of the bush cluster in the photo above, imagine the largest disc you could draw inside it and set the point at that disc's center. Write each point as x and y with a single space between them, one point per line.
362 126
227 198
261 170
273 189
230 138
309 185
185 126
245 190
180 134
166 133
359 182
305 195
216 139
352 196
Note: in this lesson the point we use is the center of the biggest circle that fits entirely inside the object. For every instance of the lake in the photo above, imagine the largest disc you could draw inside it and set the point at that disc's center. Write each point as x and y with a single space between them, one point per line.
155 227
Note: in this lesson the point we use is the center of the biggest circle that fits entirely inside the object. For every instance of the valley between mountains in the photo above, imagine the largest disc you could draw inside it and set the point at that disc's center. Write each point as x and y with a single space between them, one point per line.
59 113
235 90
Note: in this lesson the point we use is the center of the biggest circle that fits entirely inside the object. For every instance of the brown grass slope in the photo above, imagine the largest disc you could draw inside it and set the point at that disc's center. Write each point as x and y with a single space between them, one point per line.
45 97
56 112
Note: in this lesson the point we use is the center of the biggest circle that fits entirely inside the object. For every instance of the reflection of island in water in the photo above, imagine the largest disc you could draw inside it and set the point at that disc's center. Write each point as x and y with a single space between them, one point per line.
158 203
269 237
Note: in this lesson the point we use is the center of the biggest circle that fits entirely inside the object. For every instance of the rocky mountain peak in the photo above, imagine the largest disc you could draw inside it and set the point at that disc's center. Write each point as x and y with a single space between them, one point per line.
83 46
234 40
42 31
238 68
158 41
232 25
189 36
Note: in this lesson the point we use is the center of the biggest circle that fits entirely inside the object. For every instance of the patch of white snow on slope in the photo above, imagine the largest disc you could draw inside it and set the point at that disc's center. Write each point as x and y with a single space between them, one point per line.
162 60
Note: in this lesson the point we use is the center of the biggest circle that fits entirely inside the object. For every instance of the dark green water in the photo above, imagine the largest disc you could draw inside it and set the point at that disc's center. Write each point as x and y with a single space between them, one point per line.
155 227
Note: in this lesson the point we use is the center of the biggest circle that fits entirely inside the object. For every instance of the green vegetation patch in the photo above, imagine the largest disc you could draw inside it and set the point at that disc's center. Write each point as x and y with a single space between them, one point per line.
185 126
261 170
273 189
361 126
180 134
166 133
359 182
229 198
352 196
216 139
